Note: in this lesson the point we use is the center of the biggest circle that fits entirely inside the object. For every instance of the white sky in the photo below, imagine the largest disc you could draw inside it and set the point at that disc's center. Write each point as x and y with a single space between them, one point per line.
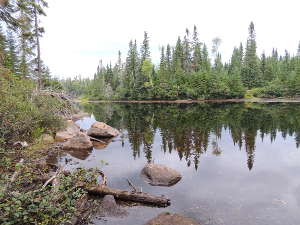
80 33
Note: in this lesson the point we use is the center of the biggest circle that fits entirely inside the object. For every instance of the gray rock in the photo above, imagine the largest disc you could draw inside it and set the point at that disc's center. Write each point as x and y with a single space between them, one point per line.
160 175
172 219
79 142
110 208
100 129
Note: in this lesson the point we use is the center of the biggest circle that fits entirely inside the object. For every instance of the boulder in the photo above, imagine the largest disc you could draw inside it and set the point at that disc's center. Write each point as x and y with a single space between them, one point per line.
80 115
79 142
69 132
172 219
160 175
109 207
100 129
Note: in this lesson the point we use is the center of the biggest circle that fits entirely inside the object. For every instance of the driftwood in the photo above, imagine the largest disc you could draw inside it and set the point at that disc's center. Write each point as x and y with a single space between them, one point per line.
133 196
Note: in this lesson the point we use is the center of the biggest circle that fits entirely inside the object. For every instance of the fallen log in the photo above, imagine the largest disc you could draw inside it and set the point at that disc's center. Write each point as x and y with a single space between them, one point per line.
133 196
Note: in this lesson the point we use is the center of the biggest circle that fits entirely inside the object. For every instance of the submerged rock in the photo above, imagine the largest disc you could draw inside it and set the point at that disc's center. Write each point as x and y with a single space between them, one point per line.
71 131
100 129
172 219
160 175
110 208
79 142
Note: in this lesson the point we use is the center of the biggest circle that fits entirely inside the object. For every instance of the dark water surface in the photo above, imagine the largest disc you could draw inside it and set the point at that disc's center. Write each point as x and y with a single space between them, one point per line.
240 161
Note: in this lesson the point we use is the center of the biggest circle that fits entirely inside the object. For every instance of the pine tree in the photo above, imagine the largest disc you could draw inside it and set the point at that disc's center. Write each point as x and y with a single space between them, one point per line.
251 75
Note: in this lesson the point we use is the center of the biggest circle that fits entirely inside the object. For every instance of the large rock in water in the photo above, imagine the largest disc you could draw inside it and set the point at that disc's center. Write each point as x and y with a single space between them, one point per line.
160 175
71 131
100 129
79 142
172 219
109 207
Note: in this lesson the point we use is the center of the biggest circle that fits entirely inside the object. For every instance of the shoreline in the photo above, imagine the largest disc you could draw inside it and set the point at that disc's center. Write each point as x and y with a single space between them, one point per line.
263 100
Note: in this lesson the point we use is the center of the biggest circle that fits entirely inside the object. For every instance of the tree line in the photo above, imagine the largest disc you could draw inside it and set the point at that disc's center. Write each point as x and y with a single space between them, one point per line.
188 71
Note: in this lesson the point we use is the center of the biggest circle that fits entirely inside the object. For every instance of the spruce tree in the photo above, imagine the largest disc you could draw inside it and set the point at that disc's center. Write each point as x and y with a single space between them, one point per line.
168 59
178 58
145 48
206 60
197 57
187 52
251 75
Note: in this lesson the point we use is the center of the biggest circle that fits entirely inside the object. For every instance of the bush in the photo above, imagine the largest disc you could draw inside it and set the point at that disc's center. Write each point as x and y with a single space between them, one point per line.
23 115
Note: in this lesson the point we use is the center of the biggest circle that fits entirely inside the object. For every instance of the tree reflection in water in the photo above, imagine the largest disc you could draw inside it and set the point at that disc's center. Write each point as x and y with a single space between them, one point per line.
191 129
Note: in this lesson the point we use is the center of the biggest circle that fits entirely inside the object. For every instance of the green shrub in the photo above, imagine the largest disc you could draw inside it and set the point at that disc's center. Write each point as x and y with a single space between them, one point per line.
23 115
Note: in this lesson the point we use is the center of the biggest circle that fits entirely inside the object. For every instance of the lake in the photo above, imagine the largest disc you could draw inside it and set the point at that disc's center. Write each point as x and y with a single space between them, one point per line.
240 162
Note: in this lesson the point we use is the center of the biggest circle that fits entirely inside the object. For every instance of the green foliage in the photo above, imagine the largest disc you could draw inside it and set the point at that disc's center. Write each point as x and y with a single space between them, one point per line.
42 205
23 114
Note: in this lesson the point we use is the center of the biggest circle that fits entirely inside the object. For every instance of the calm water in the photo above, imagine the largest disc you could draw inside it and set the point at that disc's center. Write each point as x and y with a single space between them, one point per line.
240 161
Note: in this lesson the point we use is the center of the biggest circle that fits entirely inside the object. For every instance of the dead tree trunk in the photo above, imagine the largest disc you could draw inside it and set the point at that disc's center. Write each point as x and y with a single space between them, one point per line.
141 197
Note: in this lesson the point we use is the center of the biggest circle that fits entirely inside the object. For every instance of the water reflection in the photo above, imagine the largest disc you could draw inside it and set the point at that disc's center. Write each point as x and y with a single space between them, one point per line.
194 129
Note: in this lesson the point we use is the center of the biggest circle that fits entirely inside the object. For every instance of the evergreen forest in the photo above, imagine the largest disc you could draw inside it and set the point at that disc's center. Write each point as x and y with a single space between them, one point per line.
189 70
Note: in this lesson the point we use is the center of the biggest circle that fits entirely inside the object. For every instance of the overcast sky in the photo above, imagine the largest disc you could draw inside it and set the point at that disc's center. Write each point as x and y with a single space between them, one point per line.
81 32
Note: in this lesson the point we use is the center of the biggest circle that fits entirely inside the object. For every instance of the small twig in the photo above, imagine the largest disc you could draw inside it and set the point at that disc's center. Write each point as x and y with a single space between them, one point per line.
131 185
57 173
